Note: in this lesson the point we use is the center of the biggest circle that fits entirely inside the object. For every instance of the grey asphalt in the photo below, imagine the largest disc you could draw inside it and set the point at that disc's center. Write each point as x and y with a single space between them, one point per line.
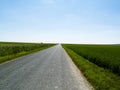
50 69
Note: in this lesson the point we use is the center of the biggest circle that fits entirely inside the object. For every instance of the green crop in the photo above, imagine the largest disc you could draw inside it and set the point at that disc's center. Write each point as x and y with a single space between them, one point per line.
100 78
10 50
106 56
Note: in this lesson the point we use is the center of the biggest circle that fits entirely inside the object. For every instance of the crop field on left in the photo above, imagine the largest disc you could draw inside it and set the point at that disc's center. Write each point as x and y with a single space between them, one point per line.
10 50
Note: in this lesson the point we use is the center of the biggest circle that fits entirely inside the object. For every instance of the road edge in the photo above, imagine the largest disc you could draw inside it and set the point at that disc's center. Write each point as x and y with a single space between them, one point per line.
77 71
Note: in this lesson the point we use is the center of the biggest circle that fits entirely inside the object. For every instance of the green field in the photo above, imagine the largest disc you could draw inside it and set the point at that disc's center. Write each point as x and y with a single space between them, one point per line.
99 63
106 56
10 50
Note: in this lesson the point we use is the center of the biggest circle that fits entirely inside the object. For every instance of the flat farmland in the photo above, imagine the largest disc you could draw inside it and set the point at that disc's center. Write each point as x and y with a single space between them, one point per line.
10 50
106 56
99 63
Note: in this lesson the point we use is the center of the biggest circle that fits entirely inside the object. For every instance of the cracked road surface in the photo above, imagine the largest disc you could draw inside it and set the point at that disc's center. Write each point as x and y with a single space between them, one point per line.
50 69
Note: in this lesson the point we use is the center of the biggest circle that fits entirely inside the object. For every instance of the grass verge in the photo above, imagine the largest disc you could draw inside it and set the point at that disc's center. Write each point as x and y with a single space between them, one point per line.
13 56
100 78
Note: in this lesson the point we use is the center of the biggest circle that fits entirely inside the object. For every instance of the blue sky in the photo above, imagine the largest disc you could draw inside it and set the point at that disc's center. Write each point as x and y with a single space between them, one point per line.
60 21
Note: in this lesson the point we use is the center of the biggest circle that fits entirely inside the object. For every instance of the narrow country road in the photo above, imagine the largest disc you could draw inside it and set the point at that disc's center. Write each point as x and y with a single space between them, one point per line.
50 69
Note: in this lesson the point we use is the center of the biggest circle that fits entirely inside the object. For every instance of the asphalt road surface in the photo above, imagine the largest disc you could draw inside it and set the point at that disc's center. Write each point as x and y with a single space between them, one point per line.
50 69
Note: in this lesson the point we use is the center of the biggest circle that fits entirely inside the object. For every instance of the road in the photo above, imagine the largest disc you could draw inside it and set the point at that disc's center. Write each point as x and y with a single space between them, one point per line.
50 69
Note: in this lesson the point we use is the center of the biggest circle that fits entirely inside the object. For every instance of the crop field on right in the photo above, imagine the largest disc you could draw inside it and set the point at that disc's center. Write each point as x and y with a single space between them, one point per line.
100 64
106 56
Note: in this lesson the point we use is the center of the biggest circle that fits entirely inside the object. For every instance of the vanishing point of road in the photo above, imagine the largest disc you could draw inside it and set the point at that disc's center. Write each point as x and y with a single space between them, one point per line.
49 69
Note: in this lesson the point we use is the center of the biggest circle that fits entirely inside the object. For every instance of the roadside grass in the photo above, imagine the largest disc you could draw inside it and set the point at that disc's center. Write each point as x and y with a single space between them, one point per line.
100 78
9 51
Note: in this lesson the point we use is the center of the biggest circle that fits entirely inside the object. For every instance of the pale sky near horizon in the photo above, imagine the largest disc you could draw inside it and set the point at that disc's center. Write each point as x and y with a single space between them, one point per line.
60 21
